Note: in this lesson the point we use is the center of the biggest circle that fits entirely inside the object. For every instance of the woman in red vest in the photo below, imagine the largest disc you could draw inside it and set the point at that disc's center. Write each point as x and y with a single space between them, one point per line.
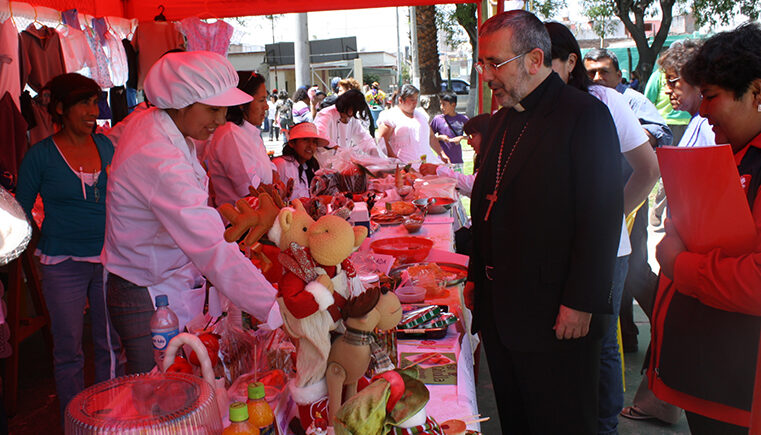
707 315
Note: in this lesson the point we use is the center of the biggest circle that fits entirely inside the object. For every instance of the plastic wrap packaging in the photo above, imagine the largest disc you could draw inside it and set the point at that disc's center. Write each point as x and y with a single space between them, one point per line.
331 181
432 186
236 350
15 231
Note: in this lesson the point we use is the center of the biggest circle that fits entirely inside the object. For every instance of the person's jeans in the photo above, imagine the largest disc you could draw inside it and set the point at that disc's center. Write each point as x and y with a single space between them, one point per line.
131 310
611 399
67 287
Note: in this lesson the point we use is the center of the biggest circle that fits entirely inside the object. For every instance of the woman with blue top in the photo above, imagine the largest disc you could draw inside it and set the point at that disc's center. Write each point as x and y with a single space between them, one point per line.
69 170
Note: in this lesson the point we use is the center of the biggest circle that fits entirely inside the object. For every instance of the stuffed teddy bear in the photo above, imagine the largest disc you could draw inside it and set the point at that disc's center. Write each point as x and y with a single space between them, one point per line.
358 349
317 281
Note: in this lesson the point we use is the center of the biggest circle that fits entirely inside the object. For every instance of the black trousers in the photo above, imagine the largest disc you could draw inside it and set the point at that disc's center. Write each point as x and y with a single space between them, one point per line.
542 392
702 425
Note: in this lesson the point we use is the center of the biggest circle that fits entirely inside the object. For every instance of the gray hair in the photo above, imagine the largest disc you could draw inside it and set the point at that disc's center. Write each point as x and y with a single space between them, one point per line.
408 91
528 32
596 54
677 55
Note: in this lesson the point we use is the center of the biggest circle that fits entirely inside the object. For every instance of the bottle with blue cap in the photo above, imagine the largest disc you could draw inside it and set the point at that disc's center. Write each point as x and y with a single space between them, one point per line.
164 327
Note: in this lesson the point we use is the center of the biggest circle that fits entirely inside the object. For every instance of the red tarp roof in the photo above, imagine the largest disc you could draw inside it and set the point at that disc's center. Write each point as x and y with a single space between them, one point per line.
179 9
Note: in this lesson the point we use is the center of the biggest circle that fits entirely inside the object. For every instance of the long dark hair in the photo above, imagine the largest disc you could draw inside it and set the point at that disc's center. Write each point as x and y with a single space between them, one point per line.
312 164
563 44
353 99
251 86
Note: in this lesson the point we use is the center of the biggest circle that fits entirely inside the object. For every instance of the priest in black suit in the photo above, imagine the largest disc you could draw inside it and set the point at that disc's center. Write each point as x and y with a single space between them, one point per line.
546 210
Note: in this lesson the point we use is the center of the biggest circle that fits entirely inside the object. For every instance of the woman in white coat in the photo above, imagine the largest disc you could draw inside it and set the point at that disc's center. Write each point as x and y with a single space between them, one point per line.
340 124
236 157
161 236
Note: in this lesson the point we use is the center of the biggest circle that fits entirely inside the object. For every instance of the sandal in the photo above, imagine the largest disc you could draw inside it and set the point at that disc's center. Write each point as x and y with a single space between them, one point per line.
634 413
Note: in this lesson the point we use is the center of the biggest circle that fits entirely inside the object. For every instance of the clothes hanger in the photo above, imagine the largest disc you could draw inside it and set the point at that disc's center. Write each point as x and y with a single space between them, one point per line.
10 9
160 16
35 18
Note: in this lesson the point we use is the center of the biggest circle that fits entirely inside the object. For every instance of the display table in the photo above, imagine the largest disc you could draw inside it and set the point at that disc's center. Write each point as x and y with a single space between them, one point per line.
447 401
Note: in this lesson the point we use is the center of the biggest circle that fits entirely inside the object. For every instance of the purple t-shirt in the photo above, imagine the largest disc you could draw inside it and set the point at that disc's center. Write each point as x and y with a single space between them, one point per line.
450 126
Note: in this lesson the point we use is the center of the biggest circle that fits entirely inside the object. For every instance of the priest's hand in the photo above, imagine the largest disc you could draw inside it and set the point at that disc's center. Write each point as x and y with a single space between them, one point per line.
468 295
571 323
668 249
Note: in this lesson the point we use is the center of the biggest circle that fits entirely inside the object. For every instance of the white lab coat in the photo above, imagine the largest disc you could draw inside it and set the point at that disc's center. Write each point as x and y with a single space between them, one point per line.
237 158
352 135
160 232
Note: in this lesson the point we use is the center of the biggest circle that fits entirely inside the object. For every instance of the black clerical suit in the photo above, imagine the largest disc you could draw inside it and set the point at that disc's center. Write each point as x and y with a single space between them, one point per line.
551 239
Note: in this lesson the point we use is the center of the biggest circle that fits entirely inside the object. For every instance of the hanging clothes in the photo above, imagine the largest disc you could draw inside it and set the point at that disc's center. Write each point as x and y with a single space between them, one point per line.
131 54
152 39
117 67
44 125
100 72
10 70
118 98
42 56
213 37
13 143
71 18
76 50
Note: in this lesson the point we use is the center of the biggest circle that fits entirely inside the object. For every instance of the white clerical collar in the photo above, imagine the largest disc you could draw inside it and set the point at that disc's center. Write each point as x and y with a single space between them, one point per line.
519 108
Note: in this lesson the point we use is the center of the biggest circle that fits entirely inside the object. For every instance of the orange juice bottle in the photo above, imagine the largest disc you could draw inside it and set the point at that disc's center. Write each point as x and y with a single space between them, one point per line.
259 412
239 424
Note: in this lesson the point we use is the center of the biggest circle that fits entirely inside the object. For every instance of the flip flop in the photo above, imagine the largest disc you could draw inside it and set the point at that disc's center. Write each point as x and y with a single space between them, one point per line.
633 413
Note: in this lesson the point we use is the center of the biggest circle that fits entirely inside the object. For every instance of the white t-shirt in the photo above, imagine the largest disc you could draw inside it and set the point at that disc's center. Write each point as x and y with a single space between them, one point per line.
410 137
630 136
698 133
287 168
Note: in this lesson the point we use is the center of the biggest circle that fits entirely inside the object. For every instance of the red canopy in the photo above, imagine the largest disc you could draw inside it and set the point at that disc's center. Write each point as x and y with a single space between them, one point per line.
179 9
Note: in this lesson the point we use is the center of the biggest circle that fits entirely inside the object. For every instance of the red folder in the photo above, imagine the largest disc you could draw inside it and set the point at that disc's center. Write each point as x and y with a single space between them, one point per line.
707 203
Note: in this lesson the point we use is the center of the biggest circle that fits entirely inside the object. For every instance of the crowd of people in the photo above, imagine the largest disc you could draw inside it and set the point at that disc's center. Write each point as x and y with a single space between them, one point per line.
559 209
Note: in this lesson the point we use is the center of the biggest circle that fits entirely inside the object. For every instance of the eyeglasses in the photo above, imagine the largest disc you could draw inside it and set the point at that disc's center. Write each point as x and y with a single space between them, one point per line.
672 82
482 67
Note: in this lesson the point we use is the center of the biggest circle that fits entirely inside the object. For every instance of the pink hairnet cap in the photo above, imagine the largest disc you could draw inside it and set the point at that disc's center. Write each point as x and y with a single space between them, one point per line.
178 80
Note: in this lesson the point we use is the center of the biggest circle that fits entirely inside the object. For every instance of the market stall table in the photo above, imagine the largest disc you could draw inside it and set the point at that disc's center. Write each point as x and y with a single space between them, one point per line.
447 401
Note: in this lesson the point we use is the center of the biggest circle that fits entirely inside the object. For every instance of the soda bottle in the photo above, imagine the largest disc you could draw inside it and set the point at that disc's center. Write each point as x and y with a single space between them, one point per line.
259 412
164 326
239 424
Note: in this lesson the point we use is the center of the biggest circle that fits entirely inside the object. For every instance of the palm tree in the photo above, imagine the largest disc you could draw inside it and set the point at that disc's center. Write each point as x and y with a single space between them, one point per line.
428 56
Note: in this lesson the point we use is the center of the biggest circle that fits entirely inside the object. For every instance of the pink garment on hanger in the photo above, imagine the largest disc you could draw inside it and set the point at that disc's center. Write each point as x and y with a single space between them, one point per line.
207 36
10 74
76 50
151 40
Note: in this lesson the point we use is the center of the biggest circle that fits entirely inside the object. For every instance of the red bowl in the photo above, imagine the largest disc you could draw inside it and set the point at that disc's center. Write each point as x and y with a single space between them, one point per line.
407 249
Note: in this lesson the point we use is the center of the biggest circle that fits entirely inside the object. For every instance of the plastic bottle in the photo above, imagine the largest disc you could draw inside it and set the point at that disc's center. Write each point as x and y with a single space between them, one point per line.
239 424
259 412
164 326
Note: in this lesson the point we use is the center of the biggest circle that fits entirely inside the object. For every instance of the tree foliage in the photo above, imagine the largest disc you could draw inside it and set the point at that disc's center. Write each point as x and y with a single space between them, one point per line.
602 14
722 11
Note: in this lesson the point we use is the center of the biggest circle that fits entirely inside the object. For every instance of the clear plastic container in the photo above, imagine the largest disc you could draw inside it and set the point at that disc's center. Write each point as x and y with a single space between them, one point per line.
163 403
164 327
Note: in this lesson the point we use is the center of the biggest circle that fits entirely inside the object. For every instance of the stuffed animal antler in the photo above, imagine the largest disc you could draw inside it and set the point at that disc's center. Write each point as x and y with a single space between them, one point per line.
244 218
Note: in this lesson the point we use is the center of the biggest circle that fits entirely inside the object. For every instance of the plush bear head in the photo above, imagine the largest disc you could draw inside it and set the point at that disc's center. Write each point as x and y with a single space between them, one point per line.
291 226
332 240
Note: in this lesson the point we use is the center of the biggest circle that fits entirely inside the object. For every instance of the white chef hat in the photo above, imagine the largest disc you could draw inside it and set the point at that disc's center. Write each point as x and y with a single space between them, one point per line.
178 80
